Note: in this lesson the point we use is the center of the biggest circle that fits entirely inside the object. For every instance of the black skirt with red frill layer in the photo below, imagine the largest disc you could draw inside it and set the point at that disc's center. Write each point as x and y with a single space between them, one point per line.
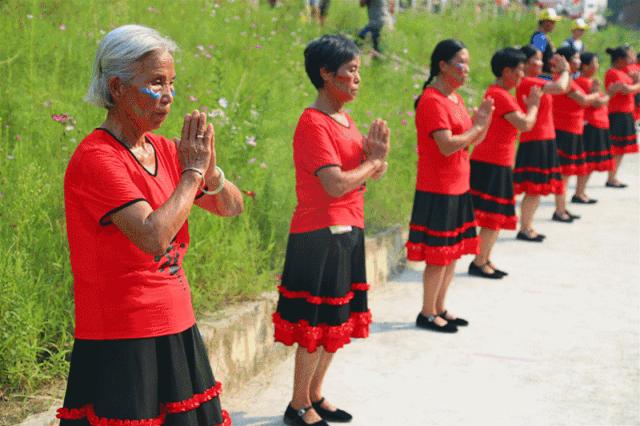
494 204
622 131
142 382
323 294
537 170
442 228
597 149
571 153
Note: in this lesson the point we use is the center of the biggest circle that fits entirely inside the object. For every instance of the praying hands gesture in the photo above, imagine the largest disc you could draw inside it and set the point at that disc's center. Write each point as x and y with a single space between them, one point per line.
377 145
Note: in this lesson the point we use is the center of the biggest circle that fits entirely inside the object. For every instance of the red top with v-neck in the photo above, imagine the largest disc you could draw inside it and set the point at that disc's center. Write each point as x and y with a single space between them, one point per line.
120 291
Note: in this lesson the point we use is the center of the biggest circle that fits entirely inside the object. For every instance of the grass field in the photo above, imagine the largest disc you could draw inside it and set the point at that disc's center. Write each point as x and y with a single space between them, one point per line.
243 64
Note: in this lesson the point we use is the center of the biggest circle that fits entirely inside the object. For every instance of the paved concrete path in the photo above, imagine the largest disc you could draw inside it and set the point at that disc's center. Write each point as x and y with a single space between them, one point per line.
557 342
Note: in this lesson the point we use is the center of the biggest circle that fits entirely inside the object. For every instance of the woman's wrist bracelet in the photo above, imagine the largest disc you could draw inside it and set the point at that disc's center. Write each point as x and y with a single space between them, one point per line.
193 169
220 185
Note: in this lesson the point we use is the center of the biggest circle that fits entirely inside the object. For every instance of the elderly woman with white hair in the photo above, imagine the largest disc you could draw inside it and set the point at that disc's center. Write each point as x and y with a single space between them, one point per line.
138 357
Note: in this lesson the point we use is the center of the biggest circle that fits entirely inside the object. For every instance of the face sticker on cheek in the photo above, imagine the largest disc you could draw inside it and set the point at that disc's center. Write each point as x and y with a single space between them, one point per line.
153 95
173 92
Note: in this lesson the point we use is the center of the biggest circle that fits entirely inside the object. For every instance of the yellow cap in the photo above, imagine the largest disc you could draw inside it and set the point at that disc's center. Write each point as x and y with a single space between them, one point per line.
579 24
549 14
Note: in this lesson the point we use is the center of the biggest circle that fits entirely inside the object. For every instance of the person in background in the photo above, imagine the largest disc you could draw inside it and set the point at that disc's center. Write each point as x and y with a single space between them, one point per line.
631 69
540 38
597 146
492 160
568 120
537 169
578 27
621 87
138 357
323 294
443 227
376 11
319 10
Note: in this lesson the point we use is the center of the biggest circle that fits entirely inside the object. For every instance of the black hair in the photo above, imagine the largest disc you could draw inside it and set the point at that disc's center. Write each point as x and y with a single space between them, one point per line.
529 50
329 52
587 58
445 50
567 51
506 58
617 52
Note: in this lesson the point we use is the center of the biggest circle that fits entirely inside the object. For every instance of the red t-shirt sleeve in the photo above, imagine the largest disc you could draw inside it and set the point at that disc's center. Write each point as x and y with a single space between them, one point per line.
315 147
435 117
504 103
610 78
103 185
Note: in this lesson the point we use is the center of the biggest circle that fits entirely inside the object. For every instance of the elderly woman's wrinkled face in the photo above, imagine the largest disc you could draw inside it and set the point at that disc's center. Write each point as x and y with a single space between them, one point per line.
456 71
147 98
533 66
343 84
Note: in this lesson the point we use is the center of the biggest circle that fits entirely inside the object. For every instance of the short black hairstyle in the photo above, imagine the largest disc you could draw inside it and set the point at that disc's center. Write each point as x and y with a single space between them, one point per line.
586 59
508 57
529 50
329 52
567 51
619 52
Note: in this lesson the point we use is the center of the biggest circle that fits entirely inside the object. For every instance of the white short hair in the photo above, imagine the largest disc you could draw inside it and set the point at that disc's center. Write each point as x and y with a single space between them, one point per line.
117 56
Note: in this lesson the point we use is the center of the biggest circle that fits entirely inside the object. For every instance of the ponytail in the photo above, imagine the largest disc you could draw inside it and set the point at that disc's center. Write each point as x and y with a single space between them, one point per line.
445 50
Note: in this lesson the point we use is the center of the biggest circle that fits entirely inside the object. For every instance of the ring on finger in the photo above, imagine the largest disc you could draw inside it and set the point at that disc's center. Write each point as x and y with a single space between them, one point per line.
199 136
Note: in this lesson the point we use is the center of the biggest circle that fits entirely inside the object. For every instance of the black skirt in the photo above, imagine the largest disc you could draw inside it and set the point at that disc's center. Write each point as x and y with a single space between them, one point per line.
494 204
622 131
442 229
142 382
323 294
597 148
537 170
571 153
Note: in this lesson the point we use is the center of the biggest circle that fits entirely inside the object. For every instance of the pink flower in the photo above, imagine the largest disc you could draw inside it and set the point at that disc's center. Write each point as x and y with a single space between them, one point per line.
403 122
258 46
62 27
193 98
410 113
60 118
251 141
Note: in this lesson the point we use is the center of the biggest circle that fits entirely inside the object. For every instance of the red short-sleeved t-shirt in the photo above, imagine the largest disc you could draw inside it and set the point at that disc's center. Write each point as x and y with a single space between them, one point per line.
499 146
437 172
320 141
568 115
619 102
120 291
543 129
596 117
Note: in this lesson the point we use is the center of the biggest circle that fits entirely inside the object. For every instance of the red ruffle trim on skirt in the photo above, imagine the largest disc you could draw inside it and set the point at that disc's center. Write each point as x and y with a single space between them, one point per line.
315 300
537 170
441 255
495 221
331 338
623 138
621 150
600 166
552 187
499 200
574 169
165 408
434 233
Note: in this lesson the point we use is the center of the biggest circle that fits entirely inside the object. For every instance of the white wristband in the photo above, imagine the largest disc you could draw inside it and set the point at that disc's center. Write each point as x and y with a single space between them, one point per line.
220 185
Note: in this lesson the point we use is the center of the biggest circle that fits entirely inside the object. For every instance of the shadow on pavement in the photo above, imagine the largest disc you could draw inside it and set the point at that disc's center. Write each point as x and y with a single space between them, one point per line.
241 419
383 327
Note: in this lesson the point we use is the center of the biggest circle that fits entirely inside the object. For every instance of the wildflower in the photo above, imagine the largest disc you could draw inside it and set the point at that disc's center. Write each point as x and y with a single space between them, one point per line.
216 113
263 165
60 118
152 9
223 102
404 122
72 140
18 137
47 103
258 46
62 27
200 47
10 157
208 55
251 160
410 113
405 50
29 16
250 140
369 113
193 98
249 193
69 127
254 113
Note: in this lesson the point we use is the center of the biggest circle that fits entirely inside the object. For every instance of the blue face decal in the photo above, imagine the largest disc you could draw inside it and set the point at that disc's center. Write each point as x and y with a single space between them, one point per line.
151 93
173 92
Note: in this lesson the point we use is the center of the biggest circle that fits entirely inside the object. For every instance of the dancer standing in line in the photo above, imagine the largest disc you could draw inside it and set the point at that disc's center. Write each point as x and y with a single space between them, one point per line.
138 357
442 223
568 120
323 295
492 160
597 146
621 87
537 169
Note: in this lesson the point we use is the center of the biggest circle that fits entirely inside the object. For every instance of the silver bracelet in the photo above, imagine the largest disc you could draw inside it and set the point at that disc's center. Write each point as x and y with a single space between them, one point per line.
220 185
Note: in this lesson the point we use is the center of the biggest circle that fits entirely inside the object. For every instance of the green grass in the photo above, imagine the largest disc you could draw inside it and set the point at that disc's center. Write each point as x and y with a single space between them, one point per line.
251 56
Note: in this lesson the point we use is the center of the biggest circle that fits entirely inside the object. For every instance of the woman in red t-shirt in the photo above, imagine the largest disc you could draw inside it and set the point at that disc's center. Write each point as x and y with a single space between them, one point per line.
323 295
537 169
138 357
597 147
621 87
568 119
442 223
492 160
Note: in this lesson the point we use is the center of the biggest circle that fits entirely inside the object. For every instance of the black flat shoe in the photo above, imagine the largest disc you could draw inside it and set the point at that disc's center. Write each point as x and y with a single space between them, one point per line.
294 417
557 218
525 237
428 324
615 185
500 271
338 416
458 321
477 271
577 200
572 216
